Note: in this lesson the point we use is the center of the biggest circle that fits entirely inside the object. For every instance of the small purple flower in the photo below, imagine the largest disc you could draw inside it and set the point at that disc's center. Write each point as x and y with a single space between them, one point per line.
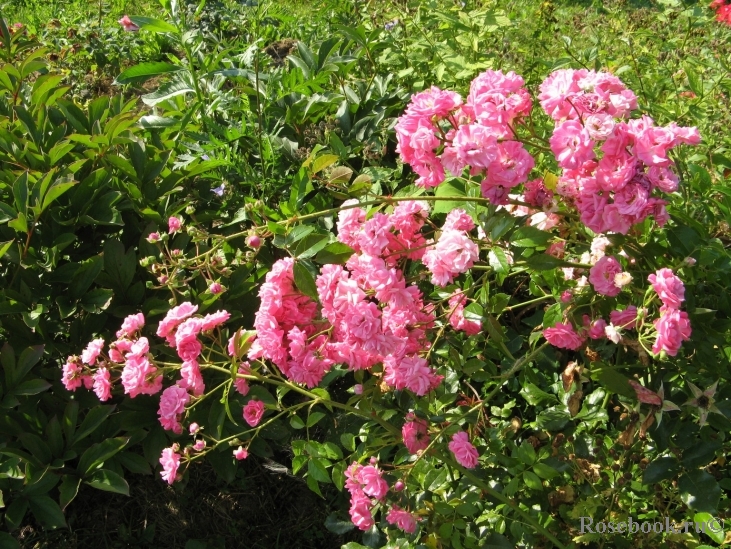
219 190
205 157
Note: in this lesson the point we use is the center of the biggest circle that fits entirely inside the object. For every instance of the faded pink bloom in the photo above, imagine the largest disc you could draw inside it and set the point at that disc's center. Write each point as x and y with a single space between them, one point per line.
602 275
464 452
253 412
563 336
241 384
416 435
402 519
170 461
174 225
596 329
102 384
92 351
241 453
626 319
128 26
668 287
153 237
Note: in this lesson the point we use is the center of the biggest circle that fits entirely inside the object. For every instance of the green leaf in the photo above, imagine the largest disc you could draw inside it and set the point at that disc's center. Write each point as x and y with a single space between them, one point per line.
168 91
661 469
699 491
96 300
317 469
337 526
335 253
109 481
98 453
8 542
322 162
68 490
552 316
145 71
700 454
545 262
47 512
532 481
529 237
526 453
296 422
93 419
4 247
304 280
313 418
59 187
28 358
533 395
713 527
498 260
310 245
32 387
15 513
546 472
153 25
451 187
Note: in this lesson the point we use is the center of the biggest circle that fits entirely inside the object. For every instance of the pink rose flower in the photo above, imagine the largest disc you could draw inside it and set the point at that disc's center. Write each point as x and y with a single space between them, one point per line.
241 453
174 225
253 412
102 385
131 325
416 435
563 336
402 519
673 327
92 351
72 376
172 404
668 287
602 274
464 452
626 319
170 461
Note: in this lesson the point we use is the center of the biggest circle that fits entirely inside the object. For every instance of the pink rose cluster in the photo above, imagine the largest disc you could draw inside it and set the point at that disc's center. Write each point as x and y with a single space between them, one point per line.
367 313
440 133
673 326
130 355
611 165
368 487
454 251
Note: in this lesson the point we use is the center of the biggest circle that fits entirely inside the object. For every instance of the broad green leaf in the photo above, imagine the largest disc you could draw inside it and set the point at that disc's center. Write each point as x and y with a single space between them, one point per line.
317 469
661 469
98 453
304 280
168 91
93 419
699 491
145 71
109 481
68 490
47 512
153 25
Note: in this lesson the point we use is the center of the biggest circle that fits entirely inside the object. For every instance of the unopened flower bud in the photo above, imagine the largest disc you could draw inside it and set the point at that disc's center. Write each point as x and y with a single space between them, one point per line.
241 453
690 261
153 237
194 428
190 209
399 486
253 241
215 288
566 296
174 225
374 460
163 279
258 204
358 389
199 445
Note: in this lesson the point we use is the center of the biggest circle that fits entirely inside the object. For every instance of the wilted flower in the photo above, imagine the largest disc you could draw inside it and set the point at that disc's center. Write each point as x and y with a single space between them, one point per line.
703 400
127 24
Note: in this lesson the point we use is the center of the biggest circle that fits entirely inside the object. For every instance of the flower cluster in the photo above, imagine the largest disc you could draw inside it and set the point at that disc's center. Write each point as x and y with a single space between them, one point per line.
367 486
367 313
673 326
611 165
440 133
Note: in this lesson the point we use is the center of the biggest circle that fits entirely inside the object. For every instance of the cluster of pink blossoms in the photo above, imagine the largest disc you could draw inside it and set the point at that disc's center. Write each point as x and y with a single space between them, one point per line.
673 326
440 133
367 486
611 165
367 313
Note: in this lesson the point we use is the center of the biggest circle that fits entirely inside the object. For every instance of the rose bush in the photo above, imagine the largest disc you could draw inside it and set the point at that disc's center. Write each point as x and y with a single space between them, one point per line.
464 376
